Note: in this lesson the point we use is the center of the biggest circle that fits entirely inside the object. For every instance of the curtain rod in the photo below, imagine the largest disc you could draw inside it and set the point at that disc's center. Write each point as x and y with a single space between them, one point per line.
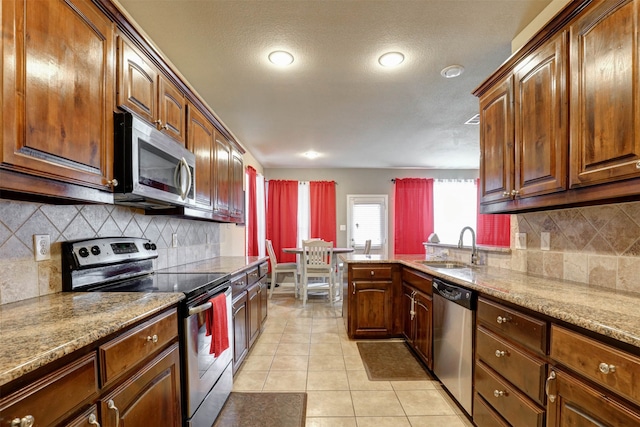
267 180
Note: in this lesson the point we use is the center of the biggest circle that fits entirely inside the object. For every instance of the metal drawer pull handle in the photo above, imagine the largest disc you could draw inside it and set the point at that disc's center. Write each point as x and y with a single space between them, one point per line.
499 393
552 397
501 319
153 338
606 368
500 353
26 421
93 420
112 405
354 287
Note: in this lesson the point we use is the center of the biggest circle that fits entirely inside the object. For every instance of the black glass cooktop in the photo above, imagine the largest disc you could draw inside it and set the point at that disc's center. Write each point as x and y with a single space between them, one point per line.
189 284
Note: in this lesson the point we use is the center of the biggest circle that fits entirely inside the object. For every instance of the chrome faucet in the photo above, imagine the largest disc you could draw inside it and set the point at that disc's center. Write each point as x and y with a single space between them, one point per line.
474 250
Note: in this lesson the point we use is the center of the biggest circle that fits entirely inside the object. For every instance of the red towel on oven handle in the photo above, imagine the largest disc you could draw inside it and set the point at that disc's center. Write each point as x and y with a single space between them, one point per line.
217 324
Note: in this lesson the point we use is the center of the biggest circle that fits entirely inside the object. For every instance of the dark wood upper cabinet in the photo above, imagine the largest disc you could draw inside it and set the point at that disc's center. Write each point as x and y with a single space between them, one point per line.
58 66
497 142
605 91
222 174
144 90
541 114
237 188
201 143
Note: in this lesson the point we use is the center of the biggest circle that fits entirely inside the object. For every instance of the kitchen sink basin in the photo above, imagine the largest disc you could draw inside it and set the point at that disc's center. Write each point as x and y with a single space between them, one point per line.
445 264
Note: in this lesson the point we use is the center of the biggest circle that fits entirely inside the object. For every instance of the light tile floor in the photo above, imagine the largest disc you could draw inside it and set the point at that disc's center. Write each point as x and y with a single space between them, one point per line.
307 349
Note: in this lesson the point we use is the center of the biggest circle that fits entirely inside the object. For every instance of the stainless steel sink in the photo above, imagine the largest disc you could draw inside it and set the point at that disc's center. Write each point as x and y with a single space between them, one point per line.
445 264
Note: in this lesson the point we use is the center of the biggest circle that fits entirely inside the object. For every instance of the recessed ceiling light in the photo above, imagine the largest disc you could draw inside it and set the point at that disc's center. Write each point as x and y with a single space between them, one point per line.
391 59
281 58
311 154
452 71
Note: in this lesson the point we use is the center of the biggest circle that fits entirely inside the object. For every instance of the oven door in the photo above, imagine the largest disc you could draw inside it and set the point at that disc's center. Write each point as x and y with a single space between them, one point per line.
203 370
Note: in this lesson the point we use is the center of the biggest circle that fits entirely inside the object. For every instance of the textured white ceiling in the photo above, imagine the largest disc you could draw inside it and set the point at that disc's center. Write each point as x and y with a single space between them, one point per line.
335 98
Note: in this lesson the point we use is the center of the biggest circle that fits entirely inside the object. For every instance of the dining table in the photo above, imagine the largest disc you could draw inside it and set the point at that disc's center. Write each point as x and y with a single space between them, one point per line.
336 251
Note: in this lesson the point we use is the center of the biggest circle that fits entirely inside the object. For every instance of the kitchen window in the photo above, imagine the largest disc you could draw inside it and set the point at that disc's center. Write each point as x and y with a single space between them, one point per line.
455 205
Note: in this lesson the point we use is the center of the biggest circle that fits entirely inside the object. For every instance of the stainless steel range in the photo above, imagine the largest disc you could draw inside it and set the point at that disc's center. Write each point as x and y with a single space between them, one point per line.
125 264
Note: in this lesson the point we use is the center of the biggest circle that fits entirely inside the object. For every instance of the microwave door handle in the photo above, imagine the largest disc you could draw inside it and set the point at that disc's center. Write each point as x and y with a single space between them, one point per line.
176 175
189 178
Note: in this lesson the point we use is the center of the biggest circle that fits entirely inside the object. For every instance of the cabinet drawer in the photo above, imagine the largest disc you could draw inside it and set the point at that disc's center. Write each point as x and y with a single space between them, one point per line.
592 358
516 326
253 275
239 284
524 371
372 272
484 415
263 268
52 399
514 406
421 282
126 351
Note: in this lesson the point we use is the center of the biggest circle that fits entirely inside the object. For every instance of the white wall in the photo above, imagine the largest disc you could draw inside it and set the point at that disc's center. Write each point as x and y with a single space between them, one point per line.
538 22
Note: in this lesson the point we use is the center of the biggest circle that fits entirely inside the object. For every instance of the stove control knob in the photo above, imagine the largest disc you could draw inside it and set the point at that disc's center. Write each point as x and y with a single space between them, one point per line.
95 250
147 246
83 252
153 246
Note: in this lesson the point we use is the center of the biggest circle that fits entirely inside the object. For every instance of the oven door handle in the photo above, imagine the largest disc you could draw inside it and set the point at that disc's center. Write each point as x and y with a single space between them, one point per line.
200 308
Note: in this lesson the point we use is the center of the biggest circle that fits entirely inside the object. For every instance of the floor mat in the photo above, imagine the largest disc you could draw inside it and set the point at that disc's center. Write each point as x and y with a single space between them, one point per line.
263 410
390 361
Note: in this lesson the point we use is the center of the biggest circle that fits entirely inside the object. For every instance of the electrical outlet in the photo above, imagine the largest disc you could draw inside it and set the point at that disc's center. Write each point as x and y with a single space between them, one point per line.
174 240
521 240
41 247
545 241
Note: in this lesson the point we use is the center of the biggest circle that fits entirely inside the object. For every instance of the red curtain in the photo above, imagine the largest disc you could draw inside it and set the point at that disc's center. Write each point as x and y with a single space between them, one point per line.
252 217
413 214
322 195
492 229
282 217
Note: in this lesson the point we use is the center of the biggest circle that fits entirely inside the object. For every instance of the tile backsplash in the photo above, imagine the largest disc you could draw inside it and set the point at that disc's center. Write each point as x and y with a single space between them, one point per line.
595 245
22 277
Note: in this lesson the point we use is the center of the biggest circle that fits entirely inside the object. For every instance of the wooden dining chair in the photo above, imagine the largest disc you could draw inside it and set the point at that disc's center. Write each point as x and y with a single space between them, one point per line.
281 267
317 263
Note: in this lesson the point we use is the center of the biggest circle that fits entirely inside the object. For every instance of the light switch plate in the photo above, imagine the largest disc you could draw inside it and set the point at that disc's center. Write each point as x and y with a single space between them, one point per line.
545 241
343 227
521 240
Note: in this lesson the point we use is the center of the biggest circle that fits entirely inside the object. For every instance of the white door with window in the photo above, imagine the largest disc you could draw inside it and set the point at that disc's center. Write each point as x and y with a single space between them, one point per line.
367 220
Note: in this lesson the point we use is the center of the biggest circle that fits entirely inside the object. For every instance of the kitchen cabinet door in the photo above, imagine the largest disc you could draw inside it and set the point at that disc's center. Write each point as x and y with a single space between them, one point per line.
264 301
200 142
605 91
143 90
240 330
572 402
222 172
423 340
253 304
497 143
237 187
151 397
408 317
58 66
372 304
541 132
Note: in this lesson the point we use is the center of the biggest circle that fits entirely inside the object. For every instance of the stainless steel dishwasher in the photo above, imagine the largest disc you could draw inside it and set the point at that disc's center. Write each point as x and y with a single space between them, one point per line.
453 322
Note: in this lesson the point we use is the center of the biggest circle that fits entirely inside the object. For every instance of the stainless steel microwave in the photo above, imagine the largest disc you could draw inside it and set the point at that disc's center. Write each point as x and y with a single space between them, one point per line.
152 170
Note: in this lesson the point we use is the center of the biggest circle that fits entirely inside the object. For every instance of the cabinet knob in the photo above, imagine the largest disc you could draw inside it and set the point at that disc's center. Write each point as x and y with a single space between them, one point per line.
372 273
93 420
26 421
514 193
158 123
552 376
638 164
154 338
506 194
500 353
112 183
502 320
605 368
499 393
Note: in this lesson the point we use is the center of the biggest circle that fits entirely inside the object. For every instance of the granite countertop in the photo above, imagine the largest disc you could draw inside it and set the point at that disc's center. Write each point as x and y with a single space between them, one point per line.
605 311
40 330
224 264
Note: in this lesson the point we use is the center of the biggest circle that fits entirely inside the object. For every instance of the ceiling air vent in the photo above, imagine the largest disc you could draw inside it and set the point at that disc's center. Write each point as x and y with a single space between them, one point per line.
475 120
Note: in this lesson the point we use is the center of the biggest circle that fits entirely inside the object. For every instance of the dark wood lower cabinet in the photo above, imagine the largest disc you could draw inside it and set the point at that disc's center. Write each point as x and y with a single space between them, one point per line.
264 301
253 304
575 403
240 328
149 398
417 322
